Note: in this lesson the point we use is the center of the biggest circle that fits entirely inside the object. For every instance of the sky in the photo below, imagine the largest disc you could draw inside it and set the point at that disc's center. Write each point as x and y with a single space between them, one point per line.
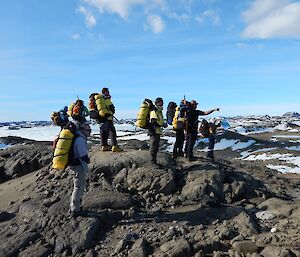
241 56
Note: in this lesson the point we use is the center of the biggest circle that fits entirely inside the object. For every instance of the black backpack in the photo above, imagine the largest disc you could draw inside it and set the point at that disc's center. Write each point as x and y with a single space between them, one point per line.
171 109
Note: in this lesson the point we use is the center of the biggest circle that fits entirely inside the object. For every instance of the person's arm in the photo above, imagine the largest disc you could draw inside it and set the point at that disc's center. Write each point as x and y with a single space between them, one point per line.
82 150
209 111
153 119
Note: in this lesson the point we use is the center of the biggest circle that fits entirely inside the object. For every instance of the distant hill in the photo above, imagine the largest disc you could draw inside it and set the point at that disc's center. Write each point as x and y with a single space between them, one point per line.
292 115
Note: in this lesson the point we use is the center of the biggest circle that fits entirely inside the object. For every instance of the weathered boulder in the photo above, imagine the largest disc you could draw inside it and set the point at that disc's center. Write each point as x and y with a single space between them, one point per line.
149 178
245 246
99 199
245 224
36 250
274 251
176 248
75 234
30 210
204 183
11 245
20 160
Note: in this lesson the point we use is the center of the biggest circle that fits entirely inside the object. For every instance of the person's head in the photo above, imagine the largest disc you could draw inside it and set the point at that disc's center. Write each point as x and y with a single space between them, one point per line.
66 108
105 91
194 104
85 130
79 102
159 102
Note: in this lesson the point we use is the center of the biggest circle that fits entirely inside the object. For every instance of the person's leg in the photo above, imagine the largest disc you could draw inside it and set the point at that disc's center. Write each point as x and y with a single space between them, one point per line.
79 185
104 135
211 145
112 134
192 141
156 146
180 142
189 145
113 138
151 147
175 149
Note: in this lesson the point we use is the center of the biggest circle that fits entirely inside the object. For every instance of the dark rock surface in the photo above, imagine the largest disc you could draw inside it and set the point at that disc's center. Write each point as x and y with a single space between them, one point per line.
178 208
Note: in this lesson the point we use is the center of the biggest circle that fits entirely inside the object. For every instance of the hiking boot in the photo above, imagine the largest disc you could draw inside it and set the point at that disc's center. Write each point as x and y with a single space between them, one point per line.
116 148
181 154
154 162
74 214
105 148
80 213
192 158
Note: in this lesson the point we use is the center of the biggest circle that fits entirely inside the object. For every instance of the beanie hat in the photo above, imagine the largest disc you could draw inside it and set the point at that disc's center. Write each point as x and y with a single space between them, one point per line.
158 99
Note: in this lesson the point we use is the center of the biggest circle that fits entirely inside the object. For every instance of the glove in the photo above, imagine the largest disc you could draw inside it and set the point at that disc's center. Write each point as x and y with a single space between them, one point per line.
112 108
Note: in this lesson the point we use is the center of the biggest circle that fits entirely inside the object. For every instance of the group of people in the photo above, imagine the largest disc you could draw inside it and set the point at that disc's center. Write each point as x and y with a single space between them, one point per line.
102 105
185 124
101 108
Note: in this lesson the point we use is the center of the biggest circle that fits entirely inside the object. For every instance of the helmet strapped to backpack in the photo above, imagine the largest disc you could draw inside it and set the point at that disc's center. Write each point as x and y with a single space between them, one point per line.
55 117
143 117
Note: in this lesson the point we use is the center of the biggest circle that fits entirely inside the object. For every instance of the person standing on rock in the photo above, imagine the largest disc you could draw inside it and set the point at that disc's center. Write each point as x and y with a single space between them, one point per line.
79 166
155 128
192 128
179 124
107 129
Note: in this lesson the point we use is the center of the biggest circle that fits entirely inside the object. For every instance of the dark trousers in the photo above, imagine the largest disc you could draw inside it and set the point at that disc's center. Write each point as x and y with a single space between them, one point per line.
191 138
211 145
178 146
154 145
108 130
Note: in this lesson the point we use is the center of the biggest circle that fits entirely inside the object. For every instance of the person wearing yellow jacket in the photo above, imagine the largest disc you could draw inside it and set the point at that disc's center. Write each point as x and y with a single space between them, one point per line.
155 128
179 124
106 111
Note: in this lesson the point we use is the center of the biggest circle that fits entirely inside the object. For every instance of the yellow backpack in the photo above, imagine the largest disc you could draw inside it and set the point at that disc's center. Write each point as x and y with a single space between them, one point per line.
63 147
178 122
143 117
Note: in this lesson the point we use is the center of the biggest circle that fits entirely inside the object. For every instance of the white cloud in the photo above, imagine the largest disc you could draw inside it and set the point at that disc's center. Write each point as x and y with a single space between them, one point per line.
272 19
179 17
75 36
156 23
209 15
241 45
120 7
90 20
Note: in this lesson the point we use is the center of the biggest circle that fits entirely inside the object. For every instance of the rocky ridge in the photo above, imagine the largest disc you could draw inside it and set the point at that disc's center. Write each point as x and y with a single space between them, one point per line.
177 209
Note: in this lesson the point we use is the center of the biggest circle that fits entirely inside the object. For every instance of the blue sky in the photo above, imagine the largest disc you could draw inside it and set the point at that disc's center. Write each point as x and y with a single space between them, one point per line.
242 56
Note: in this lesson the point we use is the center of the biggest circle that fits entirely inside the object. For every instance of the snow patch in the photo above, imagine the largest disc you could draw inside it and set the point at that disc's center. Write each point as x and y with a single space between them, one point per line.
286 136
294 148
3 146
242 145
264 157
284 168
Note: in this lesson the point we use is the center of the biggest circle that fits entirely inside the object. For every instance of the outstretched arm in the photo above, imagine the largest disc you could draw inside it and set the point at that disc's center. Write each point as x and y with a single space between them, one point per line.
211 111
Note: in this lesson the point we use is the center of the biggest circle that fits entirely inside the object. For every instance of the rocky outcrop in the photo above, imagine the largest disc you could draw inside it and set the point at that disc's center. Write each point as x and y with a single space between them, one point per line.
19 160
134 209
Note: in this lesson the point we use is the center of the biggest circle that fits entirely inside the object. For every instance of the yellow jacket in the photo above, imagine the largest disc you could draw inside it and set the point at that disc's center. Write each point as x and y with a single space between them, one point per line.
158 116
105 106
